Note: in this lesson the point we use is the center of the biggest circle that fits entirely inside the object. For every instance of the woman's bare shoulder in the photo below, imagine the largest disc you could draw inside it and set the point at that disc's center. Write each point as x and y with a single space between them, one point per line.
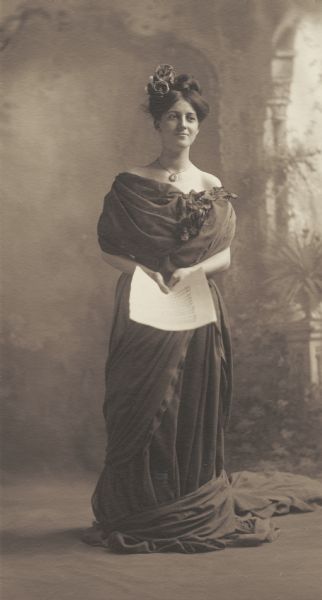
210 180
134 170
143 171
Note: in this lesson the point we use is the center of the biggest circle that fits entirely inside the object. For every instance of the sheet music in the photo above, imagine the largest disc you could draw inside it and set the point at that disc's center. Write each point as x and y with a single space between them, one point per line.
188 305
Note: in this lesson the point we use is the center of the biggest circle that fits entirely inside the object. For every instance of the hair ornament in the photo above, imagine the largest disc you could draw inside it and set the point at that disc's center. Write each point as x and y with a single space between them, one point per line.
160 83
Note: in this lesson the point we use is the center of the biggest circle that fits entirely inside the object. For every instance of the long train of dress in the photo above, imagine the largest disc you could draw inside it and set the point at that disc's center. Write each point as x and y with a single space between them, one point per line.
164 487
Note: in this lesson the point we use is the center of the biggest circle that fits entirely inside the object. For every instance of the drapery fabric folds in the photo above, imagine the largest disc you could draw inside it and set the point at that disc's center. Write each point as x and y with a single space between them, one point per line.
153 221
168 394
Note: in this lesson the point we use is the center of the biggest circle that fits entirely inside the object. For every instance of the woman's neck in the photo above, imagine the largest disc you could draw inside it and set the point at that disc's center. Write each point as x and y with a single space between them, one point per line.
178 161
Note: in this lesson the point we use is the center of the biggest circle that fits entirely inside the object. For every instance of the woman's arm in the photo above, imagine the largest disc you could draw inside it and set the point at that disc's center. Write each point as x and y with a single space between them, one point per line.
128 265
121 263
214 264
218 262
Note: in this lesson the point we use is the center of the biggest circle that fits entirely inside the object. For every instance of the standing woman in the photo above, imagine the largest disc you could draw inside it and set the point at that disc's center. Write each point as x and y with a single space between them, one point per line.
163 487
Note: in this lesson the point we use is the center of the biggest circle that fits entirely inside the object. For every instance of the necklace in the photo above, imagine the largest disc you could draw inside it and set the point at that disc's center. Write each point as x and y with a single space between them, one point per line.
173 174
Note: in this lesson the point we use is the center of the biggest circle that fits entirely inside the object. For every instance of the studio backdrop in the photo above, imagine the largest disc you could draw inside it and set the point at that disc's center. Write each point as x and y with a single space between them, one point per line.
74 77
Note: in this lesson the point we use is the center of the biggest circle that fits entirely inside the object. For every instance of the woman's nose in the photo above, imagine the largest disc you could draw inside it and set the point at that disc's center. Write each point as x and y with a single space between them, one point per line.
182 122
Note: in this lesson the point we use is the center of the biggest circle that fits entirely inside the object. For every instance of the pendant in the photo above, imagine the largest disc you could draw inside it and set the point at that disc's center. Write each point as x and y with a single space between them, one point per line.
173 177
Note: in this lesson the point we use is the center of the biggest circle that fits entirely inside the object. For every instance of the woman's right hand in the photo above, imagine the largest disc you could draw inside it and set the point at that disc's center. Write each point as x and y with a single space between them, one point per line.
158 278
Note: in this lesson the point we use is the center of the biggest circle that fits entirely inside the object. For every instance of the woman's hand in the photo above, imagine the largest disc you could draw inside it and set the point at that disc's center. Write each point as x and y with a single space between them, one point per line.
128 265
158 278
216 263
179 275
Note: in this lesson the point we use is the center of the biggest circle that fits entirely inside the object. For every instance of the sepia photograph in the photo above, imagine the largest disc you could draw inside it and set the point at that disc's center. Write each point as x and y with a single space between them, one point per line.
161 292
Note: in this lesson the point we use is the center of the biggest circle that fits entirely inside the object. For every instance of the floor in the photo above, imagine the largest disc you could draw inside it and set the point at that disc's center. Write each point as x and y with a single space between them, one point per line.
44 558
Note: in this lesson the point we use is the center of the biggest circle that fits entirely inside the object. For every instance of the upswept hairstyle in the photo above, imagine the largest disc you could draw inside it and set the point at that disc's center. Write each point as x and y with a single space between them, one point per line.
165 89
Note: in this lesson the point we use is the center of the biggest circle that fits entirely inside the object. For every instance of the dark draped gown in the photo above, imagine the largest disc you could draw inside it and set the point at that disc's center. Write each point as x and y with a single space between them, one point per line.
168 394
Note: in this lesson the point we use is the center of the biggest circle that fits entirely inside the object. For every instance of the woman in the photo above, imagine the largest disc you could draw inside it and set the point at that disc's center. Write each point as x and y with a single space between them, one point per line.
163 487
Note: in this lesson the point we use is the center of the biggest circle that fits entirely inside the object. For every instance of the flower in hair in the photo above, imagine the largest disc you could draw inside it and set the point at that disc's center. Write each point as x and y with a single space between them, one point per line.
161 88
160 83
165 73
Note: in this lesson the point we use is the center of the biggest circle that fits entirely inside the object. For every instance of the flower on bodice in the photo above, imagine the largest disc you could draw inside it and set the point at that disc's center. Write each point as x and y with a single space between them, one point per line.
193 210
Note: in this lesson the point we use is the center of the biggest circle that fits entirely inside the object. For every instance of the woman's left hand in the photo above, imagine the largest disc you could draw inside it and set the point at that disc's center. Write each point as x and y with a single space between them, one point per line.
179 275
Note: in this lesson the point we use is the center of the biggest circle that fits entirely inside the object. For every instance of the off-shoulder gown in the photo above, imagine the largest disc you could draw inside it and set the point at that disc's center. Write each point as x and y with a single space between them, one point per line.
163 487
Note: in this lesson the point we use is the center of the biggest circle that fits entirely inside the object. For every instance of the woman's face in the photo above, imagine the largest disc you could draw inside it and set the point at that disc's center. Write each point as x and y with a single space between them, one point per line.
179 126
